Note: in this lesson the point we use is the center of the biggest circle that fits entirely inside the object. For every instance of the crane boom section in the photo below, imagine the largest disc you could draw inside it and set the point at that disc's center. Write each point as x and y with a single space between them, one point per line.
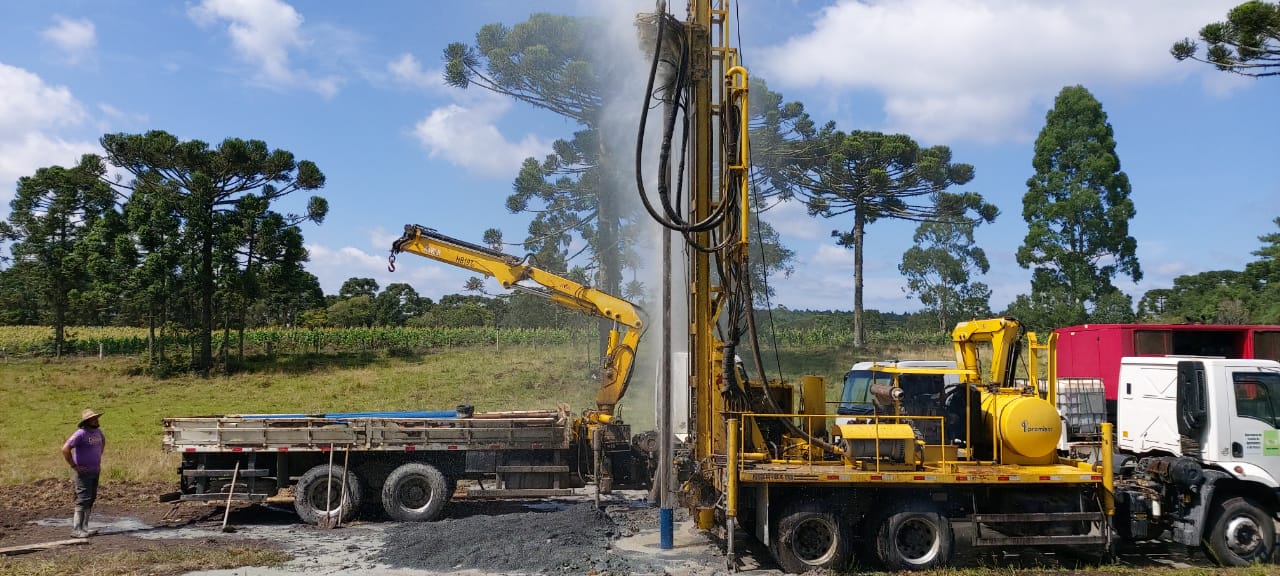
1003 334
512 271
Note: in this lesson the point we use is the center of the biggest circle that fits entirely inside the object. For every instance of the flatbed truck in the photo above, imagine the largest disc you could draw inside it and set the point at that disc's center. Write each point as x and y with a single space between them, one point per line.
409 463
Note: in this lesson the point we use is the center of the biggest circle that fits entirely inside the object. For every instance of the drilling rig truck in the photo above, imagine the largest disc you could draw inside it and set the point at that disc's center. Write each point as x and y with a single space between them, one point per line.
768 458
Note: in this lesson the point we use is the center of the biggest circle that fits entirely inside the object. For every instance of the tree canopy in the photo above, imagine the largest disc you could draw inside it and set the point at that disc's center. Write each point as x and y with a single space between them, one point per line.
1077 206
939 271
1247 42
553 62
865 175
64 224
215 223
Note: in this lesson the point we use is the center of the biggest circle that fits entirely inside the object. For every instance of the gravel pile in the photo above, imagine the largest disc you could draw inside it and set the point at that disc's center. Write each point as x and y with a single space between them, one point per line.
569 540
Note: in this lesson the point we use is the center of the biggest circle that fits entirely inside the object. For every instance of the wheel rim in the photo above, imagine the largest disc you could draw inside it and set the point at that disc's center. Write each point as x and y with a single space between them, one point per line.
918 541
321 498
1244 536
414 493
814 541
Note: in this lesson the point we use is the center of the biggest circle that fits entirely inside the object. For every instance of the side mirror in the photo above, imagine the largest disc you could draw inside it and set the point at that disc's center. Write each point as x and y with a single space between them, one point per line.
1192 409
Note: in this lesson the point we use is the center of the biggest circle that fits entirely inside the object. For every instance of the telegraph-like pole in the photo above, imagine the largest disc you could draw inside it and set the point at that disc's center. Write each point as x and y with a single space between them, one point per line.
666 515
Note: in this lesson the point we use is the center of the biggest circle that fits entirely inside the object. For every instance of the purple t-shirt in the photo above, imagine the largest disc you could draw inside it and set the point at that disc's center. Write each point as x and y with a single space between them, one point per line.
86 447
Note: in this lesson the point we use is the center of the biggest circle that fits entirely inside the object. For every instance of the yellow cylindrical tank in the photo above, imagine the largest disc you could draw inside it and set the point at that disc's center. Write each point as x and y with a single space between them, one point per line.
1029 427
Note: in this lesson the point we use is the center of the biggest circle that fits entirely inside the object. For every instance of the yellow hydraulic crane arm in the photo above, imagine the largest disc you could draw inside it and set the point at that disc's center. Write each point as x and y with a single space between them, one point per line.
1003 334
510 271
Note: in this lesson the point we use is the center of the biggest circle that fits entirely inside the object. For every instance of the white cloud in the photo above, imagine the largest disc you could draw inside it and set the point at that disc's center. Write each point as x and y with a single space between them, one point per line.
406 69
379 236
29 104
263 33
109 116
335 266
980 69
468 137
791 219
32 114
22 155
830 256
74 38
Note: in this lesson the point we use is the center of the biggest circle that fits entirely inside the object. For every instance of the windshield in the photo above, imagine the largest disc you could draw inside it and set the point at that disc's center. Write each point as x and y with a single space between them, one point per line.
856 398
1258 396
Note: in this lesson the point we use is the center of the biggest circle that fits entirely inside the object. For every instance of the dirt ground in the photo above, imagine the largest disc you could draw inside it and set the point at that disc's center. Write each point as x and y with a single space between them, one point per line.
475 537
563 536
26 511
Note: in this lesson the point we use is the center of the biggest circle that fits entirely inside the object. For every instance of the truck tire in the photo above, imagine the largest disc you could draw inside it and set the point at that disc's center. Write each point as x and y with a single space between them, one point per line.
1240 533
415 492
914 537
317 489
811 535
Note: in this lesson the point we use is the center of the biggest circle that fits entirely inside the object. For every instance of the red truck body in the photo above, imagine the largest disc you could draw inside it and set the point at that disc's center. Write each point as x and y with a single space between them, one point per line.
1095 350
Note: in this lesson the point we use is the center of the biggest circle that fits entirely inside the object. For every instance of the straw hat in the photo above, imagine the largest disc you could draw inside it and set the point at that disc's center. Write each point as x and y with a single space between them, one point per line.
87 414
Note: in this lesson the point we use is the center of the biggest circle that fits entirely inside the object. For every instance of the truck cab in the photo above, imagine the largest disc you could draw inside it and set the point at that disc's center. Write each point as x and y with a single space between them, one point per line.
856 397
1225 413
1200 453
923 393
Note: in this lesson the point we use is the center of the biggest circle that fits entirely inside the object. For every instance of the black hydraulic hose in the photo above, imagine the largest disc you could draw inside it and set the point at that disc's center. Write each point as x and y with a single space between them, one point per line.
713 219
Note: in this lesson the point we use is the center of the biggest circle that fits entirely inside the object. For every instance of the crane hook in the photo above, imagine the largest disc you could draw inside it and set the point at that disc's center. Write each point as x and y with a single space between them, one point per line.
391 262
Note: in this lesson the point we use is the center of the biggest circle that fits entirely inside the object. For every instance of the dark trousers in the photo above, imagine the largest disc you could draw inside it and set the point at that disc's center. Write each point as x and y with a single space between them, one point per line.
86 488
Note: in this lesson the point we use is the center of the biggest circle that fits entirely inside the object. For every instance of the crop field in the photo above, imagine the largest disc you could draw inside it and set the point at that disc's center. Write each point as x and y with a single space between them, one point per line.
29 341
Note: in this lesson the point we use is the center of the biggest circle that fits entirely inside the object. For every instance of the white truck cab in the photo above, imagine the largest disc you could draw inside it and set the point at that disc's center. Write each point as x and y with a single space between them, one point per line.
856 398
1199 439
1222 412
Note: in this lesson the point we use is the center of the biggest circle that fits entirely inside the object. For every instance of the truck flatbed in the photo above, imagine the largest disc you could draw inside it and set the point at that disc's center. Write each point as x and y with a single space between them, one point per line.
378 431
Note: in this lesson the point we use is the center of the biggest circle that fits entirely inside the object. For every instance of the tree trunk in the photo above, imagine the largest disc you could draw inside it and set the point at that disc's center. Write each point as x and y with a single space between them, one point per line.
151 338
608 244
164 323
943 307
226 338
859 230
59 328
205 361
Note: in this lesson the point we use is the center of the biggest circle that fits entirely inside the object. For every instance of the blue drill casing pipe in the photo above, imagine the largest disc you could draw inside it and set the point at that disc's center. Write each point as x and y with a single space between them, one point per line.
666 527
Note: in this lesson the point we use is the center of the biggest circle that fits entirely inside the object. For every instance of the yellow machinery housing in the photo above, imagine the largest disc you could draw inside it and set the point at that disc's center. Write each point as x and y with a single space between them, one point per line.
882 446
1026 426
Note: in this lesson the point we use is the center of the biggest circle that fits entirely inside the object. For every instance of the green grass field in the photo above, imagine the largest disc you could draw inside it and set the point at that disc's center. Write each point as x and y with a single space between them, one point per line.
41 398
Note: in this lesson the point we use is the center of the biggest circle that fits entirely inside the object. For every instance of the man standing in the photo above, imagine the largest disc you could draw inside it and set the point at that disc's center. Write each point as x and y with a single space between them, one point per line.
83 451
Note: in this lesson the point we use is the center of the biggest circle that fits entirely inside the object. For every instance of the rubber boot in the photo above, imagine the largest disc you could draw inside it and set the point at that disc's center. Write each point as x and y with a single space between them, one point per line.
88 511
77 524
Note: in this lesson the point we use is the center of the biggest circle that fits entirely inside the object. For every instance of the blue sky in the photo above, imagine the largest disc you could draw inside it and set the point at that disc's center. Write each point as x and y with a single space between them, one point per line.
356 88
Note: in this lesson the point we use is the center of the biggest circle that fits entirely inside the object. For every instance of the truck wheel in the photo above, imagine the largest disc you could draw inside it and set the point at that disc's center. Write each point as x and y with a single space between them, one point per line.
916 537
317 489
1240 534
811 535
415 492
